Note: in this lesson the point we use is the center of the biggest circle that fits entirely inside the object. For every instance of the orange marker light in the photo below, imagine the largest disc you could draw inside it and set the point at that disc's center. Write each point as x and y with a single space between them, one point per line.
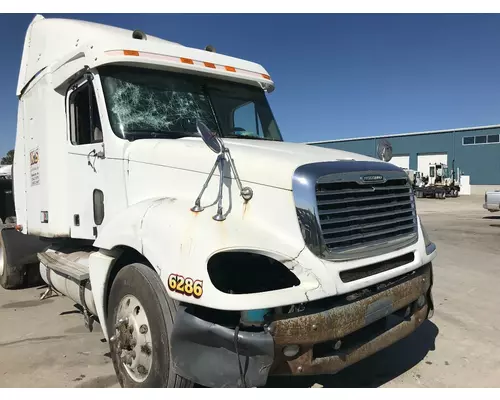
130 53
187 61
209 65
266 76
230 69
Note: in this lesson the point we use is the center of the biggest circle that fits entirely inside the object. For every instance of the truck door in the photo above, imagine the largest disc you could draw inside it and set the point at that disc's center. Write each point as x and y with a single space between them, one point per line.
86 161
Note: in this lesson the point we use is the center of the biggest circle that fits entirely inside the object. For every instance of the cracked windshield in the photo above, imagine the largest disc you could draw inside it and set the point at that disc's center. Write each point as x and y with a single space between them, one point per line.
144 103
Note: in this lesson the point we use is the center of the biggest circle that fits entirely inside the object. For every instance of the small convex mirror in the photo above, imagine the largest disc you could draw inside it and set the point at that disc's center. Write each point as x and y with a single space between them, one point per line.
384 150
213 142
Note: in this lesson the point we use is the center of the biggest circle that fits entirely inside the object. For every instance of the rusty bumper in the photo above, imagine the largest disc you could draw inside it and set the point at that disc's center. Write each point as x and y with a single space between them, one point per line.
355 327
332 334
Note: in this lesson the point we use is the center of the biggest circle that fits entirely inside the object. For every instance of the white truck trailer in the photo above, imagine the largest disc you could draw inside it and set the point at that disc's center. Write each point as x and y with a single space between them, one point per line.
209 250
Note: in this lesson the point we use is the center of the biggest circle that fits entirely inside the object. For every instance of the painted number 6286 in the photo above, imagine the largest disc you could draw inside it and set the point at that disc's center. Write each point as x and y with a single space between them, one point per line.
187 286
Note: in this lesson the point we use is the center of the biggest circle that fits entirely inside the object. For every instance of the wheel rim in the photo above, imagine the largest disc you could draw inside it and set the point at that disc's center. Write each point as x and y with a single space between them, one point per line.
133 338
2 260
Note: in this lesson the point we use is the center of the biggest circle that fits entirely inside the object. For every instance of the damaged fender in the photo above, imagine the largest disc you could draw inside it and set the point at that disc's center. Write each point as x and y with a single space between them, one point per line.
179 243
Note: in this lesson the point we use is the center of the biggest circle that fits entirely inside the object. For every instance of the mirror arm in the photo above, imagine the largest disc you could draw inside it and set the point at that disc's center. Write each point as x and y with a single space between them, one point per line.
233 168
245 192
197 204
220 215
223 156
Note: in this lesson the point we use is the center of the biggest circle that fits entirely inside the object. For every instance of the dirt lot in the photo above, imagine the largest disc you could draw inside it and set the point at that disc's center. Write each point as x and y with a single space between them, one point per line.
45 344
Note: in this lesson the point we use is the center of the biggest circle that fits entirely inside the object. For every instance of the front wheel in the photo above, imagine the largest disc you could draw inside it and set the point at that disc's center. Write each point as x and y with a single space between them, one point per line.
140 321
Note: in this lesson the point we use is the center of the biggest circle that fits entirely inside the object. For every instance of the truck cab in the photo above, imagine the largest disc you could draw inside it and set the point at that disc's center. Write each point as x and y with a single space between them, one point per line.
182 222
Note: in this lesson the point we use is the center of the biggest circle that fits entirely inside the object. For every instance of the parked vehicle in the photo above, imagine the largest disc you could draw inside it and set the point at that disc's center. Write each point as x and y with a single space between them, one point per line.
176 216
492 201
439 183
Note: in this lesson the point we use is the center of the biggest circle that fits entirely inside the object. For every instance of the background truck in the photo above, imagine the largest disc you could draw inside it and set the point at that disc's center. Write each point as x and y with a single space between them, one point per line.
439 183
174 214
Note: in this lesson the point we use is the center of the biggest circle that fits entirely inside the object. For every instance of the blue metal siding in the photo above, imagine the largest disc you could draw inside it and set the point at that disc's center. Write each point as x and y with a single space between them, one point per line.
481 162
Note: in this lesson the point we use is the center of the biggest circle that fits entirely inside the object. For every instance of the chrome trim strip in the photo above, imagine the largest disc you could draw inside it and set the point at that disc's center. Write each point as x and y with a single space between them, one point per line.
304 183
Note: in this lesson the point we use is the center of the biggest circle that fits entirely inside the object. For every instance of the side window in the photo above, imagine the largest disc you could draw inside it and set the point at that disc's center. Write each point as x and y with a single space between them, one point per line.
83 128
431 172
480 139
468 140
246 121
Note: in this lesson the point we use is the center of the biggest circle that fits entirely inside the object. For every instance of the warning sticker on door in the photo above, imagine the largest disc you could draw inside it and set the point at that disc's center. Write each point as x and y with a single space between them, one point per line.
34 167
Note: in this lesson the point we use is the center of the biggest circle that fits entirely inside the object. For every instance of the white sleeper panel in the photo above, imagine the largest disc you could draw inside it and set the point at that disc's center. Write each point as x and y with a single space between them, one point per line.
401 161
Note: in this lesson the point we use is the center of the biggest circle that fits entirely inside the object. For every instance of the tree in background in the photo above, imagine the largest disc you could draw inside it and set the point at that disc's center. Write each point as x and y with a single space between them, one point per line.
8 159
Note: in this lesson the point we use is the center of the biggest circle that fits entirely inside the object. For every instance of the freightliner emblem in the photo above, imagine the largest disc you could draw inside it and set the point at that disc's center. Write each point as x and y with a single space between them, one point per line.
372 178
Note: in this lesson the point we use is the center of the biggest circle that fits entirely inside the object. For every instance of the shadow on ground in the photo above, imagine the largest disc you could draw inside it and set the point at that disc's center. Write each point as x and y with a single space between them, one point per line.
494 218
375 370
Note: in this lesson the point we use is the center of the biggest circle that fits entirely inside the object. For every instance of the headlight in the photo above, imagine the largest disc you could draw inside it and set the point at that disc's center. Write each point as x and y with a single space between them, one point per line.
429 245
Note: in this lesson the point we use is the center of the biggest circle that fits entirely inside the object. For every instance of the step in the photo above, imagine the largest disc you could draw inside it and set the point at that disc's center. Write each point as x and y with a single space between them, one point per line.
61 265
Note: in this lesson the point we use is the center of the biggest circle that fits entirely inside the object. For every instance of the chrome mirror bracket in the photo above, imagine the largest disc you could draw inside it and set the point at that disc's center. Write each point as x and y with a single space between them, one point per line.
245 192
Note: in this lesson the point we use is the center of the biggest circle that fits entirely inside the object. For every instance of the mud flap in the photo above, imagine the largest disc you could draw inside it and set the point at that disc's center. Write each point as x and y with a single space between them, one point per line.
204 352
21 249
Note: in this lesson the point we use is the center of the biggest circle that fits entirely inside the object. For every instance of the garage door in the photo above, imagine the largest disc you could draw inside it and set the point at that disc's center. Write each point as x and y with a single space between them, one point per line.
401 161
423 161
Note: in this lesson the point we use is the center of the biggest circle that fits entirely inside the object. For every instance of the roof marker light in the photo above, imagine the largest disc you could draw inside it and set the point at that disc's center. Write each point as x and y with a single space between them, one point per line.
130 53
193 62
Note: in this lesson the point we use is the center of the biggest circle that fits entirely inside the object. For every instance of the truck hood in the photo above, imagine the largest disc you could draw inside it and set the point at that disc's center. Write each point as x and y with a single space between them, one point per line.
257 161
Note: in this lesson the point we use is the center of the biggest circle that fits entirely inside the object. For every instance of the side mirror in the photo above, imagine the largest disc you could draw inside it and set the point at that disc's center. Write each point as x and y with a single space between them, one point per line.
216 144
212 141
384 150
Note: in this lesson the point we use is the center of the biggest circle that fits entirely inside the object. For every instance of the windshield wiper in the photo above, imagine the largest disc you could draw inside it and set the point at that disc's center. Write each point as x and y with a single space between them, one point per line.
250 137
133 135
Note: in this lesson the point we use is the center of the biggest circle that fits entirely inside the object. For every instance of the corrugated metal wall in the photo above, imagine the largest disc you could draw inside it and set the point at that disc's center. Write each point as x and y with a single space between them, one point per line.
481 162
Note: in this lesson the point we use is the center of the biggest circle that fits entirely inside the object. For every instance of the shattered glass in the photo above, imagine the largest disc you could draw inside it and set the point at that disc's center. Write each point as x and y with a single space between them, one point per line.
147 103
138 108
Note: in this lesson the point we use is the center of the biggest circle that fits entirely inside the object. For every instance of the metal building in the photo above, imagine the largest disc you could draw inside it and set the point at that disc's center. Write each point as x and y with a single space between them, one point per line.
472 152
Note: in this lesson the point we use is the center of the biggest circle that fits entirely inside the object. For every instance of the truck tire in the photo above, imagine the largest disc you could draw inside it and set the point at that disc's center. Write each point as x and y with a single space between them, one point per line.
11 276
140 322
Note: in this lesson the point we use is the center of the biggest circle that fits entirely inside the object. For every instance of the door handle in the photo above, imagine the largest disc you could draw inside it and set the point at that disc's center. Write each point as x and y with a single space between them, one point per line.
95 154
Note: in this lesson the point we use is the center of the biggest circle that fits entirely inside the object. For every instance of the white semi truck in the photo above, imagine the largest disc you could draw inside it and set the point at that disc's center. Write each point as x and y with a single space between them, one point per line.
160 196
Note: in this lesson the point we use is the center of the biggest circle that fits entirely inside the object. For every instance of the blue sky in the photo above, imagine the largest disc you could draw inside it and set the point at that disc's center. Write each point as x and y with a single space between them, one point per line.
336 75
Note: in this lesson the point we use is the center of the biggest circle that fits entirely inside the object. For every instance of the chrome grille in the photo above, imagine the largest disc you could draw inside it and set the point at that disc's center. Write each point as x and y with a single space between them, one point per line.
355 216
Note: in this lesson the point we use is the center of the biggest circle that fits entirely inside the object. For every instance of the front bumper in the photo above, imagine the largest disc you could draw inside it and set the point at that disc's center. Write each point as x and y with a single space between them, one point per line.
332 334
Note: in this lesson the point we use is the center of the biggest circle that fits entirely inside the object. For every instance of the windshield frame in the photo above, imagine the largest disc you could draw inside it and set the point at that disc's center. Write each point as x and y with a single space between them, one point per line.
214 89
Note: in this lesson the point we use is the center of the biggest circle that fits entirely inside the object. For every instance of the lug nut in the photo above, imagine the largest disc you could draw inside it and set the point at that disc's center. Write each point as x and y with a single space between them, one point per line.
121 322
299 369
143 329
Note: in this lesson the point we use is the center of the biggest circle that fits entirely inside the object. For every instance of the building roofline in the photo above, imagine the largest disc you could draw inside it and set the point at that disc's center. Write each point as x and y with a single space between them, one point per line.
406 134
